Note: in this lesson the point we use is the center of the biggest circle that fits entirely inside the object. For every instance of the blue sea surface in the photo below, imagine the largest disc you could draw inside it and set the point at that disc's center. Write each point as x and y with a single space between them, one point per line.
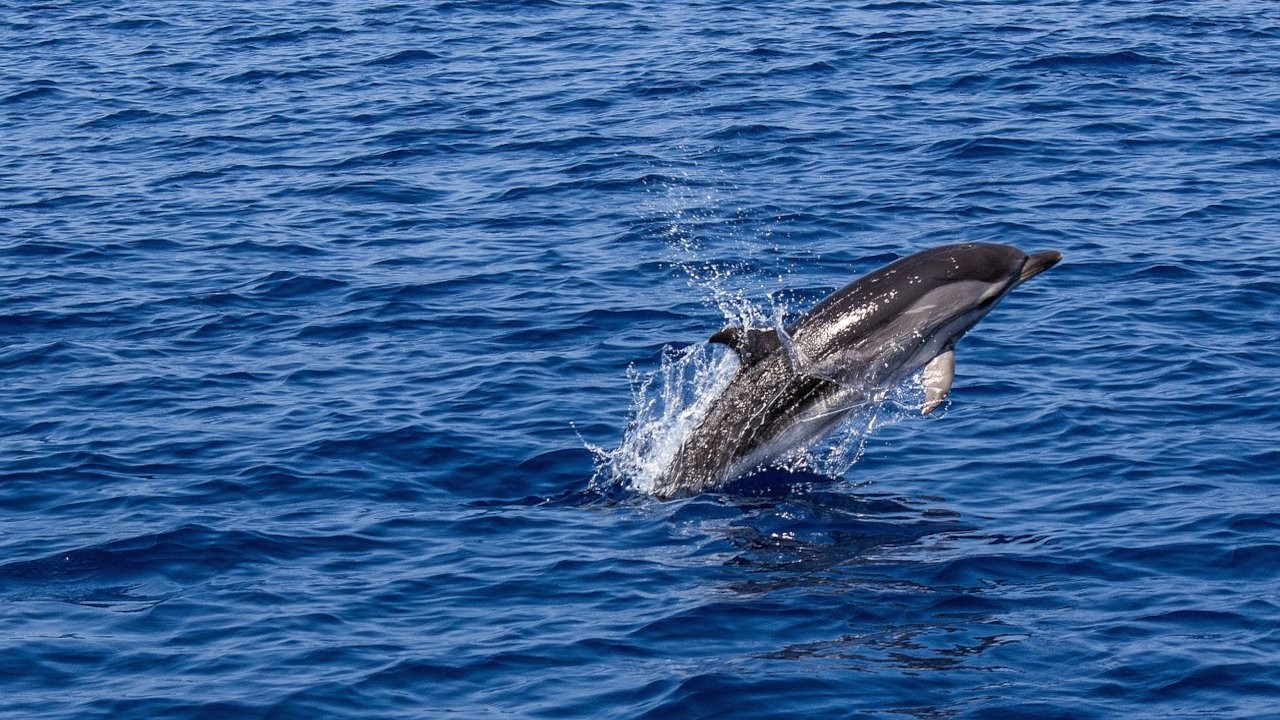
329 332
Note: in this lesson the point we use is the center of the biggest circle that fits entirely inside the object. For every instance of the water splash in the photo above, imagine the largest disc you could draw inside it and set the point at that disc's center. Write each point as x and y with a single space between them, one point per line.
666 406
668 403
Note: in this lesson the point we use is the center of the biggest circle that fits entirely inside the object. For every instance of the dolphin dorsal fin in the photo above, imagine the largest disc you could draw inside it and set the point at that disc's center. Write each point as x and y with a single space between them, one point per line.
938 375
751 344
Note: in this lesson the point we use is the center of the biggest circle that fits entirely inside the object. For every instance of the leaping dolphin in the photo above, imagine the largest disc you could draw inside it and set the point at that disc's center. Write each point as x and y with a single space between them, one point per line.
796 384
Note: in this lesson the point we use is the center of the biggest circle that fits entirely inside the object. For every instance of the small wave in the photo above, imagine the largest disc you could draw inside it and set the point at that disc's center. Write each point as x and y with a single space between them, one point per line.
981 147
473 5
372 192
127 116
1093 61
404 57
155 24
285 285
40 92
258 76
288 36
819 67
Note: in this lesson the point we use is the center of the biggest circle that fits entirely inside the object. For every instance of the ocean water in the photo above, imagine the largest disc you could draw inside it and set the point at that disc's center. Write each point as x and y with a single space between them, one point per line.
335 338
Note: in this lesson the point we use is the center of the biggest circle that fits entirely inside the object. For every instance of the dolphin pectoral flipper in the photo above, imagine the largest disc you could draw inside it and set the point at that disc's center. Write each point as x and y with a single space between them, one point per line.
751 344
938 375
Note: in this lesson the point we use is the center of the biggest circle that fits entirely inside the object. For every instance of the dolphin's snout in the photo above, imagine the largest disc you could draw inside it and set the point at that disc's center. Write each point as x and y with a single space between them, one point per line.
1038 262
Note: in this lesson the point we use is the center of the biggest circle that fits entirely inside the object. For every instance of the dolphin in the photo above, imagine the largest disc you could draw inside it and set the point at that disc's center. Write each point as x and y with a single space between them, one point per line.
796 384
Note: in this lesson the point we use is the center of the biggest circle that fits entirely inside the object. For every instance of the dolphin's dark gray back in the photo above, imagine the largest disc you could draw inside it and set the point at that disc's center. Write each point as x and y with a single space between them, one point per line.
891 290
